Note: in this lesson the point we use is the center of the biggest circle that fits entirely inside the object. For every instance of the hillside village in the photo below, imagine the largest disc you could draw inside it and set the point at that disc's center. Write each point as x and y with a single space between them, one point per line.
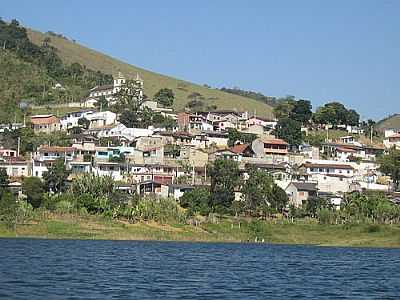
168 162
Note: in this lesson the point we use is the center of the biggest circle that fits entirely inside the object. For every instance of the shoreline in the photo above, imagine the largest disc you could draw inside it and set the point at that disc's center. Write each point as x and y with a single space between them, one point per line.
73 227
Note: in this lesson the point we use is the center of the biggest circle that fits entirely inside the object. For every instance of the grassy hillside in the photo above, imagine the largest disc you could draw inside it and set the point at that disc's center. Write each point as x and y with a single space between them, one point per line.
67 226
390 122
71 52
19 80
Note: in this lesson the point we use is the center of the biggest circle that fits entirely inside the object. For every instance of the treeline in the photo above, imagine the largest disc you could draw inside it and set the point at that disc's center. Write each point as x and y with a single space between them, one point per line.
75 78
273 101
260 198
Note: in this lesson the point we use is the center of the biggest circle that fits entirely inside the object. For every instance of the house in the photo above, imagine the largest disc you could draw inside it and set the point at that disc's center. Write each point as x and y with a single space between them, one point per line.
264 122
100 119
192 122
176 191
52 153
112 169
137 173
11 127
8 153
15 167
300 192
349 139
267 146
392 141
223 125
153 105
71 119
331 176
45 124
195 157
79 167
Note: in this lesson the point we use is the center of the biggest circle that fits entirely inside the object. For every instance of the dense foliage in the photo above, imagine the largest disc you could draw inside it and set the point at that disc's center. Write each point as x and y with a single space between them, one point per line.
235 136
31 71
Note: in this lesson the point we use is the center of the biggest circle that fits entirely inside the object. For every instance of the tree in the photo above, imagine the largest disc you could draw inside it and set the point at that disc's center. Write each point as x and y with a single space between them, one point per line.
325 115
165 97
352 118
8 208
301 111
235 136
257 190
129 118
196 201
290 131
4 181
390 165
102 103
33 188
55 178
314 204
225 177
284 107
279 198
85 123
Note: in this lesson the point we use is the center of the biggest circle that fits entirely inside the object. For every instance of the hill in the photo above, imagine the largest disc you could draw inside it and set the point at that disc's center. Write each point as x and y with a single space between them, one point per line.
71 52
392 121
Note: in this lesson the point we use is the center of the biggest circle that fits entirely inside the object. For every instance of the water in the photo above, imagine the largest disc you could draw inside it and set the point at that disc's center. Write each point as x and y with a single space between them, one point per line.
45 269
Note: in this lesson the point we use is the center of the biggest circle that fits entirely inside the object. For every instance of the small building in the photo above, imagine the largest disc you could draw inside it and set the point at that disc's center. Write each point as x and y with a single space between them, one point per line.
15 167
392 141
45 124
300 192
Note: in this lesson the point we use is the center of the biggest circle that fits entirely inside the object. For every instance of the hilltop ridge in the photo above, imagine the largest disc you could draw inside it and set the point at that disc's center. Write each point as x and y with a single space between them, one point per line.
70 52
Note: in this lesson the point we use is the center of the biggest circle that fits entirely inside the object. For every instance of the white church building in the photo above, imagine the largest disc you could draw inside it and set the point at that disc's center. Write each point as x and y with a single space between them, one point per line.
110 90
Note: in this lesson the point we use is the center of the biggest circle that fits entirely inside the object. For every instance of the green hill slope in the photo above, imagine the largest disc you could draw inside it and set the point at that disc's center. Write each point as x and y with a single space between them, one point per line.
18 80
71 52
389 122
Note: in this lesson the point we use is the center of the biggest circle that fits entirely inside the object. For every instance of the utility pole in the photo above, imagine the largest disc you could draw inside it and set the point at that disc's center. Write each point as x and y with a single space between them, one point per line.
18 146
372 130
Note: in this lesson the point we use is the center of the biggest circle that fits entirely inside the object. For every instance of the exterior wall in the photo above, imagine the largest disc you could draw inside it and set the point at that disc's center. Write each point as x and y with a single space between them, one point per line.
332 184
15 169
296 198
46 128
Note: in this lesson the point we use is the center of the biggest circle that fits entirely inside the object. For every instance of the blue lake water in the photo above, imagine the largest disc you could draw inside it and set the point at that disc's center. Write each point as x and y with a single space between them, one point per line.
67 269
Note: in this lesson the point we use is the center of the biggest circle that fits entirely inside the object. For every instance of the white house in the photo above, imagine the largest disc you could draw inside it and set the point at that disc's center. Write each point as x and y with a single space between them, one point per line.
392 141
100 119
71 119
15 167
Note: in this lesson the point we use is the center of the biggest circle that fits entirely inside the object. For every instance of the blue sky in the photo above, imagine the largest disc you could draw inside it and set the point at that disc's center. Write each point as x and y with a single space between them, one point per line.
318 50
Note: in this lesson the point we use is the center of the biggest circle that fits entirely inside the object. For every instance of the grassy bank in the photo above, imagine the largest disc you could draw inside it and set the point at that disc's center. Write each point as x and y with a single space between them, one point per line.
57 226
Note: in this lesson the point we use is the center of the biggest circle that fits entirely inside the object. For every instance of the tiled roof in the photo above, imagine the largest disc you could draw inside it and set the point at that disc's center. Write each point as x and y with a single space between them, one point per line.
343 149
274 141
39 120
305 186
327 165
239 148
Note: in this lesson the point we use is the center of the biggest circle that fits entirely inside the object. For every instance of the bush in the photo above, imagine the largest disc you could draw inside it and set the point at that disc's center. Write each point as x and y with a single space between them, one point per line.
64 207
159 210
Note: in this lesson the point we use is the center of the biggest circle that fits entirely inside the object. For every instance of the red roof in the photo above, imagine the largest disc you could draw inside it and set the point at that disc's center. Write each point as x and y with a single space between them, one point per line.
275 142
396 135
56 149
343 149
39 120
239 148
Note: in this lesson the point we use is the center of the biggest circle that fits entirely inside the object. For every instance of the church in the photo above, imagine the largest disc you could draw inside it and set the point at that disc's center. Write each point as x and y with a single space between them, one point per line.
110 90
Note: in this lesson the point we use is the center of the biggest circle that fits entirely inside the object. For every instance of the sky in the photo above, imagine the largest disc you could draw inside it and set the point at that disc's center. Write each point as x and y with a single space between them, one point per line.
343 50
